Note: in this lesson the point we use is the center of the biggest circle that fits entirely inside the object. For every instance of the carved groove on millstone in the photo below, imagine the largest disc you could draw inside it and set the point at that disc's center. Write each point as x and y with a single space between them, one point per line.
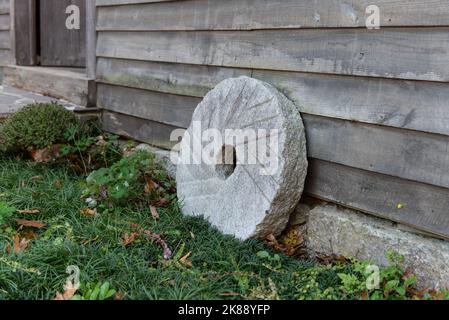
243 197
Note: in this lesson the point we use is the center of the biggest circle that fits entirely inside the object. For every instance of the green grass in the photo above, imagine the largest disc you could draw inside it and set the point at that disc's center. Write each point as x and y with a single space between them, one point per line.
220 264
222 267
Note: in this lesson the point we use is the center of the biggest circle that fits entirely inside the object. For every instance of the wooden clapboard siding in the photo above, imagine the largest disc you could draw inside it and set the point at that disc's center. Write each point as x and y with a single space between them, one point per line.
100 3
5 7
5 22
170 109
155 133
375 103
5 40
417 105
406 154
410 53
268 14
424 207
182 79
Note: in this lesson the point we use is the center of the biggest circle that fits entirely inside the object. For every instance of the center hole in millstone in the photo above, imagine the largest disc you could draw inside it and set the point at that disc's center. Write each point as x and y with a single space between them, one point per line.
227 162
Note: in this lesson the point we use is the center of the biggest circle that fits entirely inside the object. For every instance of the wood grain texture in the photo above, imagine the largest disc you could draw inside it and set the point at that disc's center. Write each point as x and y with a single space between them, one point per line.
91 39
401 153
25 32
5 6
100 3
410 53
268 14
5 57
181 79
416 105
5 22
164 108
70 86
424 207
60 46
5 40
154 133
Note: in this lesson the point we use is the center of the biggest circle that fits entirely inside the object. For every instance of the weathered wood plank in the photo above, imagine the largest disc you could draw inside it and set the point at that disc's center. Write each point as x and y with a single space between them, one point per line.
91 39
269 14
5 22
181 79
164 108
5 57
25 35
410 53
100 3
61 84
5 6
60 46
154 133
416 105
5 40
401 153
423 207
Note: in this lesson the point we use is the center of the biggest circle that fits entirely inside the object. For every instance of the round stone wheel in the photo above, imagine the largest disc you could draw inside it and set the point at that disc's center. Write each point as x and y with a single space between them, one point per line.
223 183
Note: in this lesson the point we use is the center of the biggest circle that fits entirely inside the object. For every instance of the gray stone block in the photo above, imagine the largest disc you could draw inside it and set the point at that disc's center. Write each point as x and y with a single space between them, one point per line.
332 230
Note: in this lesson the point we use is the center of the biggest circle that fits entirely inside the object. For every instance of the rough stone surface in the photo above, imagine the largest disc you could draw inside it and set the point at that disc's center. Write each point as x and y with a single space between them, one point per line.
243 202
332 230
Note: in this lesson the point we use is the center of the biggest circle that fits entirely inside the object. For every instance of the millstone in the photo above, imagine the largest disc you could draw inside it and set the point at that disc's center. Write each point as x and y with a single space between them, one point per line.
240 196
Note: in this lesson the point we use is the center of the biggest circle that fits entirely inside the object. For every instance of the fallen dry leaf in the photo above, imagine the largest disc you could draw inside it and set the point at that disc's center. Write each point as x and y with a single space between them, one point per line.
86 242
230 294
292 241
30 223
156 238
119 296
149 186
160 203
47 154
129 239
28 211
185 260
154 213
19 245
273 242
332 258
89 212
68 294
57 184
28 234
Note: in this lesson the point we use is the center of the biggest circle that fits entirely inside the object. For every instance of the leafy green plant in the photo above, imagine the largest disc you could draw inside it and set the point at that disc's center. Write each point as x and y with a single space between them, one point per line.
88 148
124 180
97 291
274 261
5 212
37 126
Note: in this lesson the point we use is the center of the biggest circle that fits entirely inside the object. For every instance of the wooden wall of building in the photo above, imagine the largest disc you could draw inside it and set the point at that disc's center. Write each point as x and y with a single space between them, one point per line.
375 102
5 34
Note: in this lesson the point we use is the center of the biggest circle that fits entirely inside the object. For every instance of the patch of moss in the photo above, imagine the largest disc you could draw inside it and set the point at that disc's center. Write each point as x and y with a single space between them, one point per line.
36 126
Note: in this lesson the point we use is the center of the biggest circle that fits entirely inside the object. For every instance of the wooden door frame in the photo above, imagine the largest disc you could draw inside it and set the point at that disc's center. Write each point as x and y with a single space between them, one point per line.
24 40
